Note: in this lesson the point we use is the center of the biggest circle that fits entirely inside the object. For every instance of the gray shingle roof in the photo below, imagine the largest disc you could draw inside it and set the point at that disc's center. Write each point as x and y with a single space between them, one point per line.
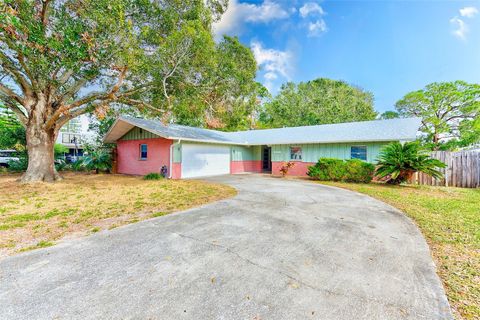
403 129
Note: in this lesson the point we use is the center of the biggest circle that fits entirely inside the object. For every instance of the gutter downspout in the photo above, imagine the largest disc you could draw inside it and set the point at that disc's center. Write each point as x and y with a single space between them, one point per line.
171 159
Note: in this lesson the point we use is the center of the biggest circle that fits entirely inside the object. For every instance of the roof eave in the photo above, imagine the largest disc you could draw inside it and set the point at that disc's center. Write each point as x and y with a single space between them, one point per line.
105 138
209 141
330 142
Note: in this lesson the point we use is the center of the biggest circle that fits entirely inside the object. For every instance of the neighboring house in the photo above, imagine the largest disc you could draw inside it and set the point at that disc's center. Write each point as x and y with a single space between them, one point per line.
144 146
71 136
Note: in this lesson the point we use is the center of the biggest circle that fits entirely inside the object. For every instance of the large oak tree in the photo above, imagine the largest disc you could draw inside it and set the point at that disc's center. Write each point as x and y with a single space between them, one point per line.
63 58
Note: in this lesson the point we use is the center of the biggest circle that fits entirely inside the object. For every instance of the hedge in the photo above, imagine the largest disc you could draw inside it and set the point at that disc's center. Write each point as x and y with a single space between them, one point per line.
354 170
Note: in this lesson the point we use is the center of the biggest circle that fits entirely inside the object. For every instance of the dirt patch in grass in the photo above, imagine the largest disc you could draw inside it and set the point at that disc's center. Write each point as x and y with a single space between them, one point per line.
37 215
449 218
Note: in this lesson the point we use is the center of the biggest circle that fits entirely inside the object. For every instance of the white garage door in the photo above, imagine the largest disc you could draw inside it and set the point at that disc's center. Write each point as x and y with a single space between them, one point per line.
199 160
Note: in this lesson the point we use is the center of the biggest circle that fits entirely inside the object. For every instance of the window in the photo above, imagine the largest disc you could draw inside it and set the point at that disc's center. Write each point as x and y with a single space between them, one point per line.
295 153
358 152
71 138
143 152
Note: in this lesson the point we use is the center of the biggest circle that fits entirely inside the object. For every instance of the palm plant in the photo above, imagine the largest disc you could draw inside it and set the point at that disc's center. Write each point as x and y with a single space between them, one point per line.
398 162
98 160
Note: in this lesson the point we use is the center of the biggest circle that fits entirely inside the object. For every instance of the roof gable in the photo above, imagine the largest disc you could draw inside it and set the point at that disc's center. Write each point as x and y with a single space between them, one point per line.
137 133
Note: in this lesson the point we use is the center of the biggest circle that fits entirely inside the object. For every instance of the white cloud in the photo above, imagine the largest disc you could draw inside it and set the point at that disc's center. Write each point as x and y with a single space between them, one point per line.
314 27
461 28
468 12
317 28
238 13
311 8
270 76
275 63
265 12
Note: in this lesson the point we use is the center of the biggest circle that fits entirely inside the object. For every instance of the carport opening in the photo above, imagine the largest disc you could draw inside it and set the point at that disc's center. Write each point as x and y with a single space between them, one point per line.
267 159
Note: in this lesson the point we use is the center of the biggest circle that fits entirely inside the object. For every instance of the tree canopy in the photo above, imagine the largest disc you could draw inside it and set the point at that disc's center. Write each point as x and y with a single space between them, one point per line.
389 115
61 59
12 133
228 98
319 101
450 113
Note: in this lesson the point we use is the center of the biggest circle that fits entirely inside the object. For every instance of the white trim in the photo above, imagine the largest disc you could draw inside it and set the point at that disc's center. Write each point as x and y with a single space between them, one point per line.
208 141
170 170
110 130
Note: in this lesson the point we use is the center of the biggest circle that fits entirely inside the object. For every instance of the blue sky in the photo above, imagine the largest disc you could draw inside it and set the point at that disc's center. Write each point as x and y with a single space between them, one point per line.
387 47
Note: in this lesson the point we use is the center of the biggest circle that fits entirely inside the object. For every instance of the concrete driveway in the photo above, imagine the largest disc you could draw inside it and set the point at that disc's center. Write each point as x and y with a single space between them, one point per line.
281 249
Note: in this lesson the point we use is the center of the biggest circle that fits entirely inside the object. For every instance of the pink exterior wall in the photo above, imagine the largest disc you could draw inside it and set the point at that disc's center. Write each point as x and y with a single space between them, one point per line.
128 155
299 169
176 170
245 166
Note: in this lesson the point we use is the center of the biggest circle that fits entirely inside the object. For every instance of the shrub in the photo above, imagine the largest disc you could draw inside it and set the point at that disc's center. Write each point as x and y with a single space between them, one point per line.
398 162
359 171
19 165
98 160
354 170
327 169
153 176
61 165
59 150
78 165
286 167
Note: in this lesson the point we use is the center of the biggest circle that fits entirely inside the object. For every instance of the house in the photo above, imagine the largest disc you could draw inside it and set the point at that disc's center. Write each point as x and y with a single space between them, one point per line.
144 146
72 136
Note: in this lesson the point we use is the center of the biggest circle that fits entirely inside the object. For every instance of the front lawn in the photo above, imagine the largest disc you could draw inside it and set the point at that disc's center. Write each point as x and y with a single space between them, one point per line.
38 215
449 218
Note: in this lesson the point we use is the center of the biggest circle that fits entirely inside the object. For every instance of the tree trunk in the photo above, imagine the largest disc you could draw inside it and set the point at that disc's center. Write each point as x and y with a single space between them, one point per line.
435 141
40 143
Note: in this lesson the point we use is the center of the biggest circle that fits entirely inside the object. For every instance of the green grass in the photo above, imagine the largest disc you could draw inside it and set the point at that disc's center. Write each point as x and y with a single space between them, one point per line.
449 218
85 204
153 176
40 244
159 214
23 218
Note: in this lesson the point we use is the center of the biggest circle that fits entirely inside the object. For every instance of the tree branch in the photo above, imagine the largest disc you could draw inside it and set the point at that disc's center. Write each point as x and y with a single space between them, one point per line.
9 66
44 13
110 96
67 117
182 55
69 93
10 93
139 103
18 112
21 60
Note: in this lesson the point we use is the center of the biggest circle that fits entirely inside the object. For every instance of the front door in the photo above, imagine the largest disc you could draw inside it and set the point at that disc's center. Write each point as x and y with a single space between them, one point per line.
266 159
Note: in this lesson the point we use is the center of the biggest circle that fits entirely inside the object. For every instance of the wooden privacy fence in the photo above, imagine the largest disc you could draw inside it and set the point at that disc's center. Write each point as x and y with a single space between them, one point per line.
463 170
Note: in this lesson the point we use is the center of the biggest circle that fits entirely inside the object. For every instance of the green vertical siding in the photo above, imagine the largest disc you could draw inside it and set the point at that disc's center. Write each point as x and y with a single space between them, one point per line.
244 153
137 134
177 153
313 152
257 152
